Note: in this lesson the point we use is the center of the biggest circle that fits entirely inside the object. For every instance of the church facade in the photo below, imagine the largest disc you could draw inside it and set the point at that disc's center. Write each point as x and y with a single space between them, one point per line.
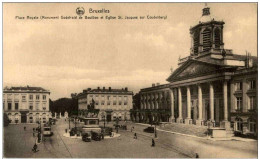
211 86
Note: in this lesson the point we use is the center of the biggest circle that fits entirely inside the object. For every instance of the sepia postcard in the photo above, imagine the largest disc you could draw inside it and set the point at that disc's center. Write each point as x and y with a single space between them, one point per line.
130 80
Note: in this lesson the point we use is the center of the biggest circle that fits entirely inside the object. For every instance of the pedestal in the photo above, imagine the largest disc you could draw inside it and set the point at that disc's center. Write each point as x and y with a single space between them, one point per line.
188 121
199 122
172 120
179 120
225 124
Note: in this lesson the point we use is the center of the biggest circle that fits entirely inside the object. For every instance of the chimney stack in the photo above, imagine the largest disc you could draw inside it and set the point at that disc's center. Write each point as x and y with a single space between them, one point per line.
104 88
126 89
98 88
89 89
153 85
109 88
158 84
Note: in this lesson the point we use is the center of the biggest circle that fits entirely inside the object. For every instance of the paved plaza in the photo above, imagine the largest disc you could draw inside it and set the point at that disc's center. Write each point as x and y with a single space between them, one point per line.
18 143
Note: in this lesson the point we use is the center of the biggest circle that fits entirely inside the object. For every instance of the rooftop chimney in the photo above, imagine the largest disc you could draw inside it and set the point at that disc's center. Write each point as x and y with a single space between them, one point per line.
126 89
109 88
98 88
89 89
104 88
158 84
153 85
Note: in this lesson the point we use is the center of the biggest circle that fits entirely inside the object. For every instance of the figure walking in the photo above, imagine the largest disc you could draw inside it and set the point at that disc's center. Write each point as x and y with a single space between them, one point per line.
35 147
135 136
153 143
197 155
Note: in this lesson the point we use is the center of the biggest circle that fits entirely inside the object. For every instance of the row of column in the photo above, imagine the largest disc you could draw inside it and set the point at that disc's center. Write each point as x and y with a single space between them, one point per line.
211 99
152 104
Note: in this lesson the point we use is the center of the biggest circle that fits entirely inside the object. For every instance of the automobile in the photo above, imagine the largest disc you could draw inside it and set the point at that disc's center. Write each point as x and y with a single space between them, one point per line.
149 129
47 131
96 136
86 137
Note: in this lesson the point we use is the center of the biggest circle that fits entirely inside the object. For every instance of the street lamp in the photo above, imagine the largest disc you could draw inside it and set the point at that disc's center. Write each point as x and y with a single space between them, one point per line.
155 133
104 117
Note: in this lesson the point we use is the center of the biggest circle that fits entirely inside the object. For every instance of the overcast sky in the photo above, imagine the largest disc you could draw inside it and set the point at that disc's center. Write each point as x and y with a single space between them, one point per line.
67 56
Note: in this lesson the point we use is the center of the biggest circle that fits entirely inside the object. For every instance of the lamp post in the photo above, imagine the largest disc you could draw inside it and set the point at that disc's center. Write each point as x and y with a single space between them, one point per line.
104 120
155 133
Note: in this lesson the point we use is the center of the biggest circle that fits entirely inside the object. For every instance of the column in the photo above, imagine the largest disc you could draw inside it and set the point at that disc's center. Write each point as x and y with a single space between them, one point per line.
187 120
179 120
225 100
225 123
199 120
172 105
211 102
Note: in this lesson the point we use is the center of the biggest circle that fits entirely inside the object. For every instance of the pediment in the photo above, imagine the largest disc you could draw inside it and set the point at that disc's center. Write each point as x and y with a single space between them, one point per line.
193 68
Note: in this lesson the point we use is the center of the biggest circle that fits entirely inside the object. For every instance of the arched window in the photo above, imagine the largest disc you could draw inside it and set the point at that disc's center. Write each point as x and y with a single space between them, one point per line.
251 125
37 117
238 125
217 38
196 42
30 118
206 34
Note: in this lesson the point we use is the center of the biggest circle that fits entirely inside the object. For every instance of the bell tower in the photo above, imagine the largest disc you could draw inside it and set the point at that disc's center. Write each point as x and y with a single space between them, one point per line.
207 35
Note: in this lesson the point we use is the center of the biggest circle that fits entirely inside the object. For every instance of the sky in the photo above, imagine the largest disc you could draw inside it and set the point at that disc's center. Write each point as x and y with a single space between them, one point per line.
67 56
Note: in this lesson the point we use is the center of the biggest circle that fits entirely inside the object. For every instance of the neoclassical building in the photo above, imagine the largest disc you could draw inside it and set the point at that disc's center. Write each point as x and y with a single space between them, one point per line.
26 104
112 103
211 86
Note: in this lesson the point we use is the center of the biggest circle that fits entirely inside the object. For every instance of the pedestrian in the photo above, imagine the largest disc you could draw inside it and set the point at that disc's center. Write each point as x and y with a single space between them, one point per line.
197 155
135 136
24 128
153 143
35 148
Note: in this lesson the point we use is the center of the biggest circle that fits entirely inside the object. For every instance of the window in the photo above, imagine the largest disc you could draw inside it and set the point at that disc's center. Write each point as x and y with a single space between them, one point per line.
31 106
239 103
114 102
125 102
31 97
16 106
96 102
103 97
239 124
252 84
108 97
108 102
44 97
9 106
44 106
4 105
251 125
37 106
120 103
37 97
252 101
239 86
102 103
23 98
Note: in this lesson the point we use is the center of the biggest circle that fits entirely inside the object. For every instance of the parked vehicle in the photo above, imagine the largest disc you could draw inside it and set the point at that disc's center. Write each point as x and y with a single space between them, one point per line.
86 137
96 136
149 129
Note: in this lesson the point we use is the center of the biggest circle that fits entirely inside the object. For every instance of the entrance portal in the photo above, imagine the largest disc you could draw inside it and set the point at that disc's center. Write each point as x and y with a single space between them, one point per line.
23 118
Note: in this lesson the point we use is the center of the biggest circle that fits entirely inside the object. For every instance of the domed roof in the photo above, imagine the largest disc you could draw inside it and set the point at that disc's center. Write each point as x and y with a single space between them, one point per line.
206 17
